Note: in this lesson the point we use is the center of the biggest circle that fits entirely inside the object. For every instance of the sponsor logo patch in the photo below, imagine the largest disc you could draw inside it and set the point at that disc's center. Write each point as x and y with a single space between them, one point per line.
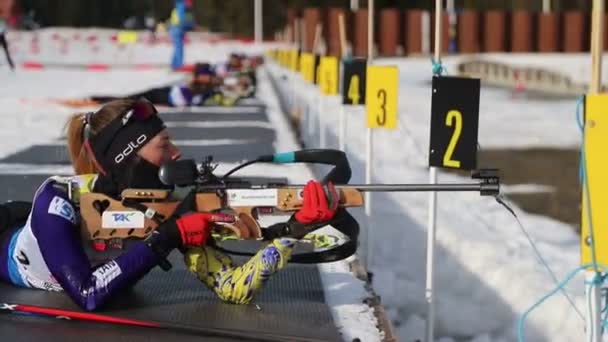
247 197
122 219
131 146
62 208
106 273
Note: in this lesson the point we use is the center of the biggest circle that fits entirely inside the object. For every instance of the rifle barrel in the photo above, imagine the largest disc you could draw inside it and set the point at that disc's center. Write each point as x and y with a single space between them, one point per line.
414 187
486 188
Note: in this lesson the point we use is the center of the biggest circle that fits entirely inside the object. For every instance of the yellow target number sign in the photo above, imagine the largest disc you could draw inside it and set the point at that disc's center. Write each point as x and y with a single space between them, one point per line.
127 37
293 60
307 66
381 93
328 75
595 189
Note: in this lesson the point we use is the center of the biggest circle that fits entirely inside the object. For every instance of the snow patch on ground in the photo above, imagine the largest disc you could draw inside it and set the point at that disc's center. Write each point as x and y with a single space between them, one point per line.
486 272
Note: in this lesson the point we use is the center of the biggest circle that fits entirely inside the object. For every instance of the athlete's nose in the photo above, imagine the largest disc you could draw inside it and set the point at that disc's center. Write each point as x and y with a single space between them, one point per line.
175 152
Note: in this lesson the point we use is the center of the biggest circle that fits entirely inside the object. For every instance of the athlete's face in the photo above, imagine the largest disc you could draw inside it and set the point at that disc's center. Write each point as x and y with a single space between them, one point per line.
160 149
203 79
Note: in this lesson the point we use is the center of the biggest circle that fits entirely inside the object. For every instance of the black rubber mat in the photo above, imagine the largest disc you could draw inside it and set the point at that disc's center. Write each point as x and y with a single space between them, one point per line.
167 117
26 189
55 154
253 107
29 183
261 134
20 328
292 303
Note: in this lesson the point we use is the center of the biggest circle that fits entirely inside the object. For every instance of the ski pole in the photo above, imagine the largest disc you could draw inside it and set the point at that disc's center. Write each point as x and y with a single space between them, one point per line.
91 317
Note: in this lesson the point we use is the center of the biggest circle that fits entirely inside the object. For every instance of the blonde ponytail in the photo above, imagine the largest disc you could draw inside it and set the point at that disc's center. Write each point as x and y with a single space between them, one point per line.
81 162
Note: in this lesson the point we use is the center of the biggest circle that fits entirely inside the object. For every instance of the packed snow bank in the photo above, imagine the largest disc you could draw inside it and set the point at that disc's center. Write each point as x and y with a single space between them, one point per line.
344 293
486 272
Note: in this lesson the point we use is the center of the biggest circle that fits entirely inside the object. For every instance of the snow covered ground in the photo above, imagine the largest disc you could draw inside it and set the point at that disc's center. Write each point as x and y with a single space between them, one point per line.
486 272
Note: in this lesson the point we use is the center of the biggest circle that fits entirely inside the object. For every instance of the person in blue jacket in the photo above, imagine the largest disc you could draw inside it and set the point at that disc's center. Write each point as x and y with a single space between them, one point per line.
120 146
180 22
4 44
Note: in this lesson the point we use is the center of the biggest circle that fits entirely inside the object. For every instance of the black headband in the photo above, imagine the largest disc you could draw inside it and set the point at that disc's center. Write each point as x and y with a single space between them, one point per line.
120 140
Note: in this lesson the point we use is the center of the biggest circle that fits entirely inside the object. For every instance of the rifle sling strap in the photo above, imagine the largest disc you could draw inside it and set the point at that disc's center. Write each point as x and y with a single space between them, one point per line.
148 212
343 222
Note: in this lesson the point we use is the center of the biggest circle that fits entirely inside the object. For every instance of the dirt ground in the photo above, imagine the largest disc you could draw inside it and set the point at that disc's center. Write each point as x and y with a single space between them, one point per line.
555 168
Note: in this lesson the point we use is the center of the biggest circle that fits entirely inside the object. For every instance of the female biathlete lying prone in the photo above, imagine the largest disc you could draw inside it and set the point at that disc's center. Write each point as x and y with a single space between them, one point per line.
46 251
205 88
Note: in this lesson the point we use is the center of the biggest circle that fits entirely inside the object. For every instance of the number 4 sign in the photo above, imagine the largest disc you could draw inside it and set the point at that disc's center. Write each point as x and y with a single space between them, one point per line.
353 81
454 123
381 95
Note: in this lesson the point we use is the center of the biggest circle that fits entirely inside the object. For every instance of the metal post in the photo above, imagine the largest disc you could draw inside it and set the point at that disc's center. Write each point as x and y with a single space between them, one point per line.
321 109
369 141
426 32
597 34
342 129
451 9
594 305
546 6
430 251
258 24
342 118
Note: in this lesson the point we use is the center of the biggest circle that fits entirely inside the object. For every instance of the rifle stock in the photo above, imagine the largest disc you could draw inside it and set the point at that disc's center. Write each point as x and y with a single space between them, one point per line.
244 203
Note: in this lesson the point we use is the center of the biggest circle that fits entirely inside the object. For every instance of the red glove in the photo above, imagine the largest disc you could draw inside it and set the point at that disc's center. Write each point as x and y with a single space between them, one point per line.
315 208
195 228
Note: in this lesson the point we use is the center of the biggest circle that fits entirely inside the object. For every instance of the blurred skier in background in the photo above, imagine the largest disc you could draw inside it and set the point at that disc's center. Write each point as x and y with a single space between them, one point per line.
181 21
3 26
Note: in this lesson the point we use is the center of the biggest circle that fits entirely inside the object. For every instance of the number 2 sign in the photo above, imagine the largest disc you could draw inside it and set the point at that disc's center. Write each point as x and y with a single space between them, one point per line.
454 123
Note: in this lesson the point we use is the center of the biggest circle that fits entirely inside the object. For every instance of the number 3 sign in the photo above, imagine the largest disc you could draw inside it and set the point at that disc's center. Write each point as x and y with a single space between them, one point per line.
381 94
454 123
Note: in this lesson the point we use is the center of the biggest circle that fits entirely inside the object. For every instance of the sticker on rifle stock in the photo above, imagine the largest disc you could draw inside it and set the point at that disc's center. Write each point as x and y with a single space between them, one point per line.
256 198
122 219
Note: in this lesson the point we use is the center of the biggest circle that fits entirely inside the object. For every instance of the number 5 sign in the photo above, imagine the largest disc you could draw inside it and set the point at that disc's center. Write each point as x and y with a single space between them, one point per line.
328 75
454 123
381 92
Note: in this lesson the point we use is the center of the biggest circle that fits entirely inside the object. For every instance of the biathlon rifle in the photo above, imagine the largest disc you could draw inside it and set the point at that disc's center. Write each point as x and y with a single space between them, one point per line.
139 211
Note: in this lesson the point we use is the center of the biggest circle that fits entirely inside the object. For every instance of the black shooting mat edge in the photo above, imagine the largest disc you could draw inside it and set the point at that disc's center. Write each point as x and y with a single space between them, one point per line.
260 141
291 303
58 154
28 183
197 116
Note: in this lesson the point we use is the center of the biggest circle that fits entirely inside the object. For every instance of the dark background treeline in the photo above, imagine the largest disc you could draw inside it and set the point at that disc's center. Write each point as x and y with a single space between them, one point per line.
233 16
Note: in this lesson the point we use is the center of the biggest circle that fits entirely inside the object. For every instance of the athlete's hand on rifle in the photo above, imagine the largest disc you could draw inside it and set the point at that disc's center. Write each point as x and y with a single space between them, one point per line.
192 230
316 206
